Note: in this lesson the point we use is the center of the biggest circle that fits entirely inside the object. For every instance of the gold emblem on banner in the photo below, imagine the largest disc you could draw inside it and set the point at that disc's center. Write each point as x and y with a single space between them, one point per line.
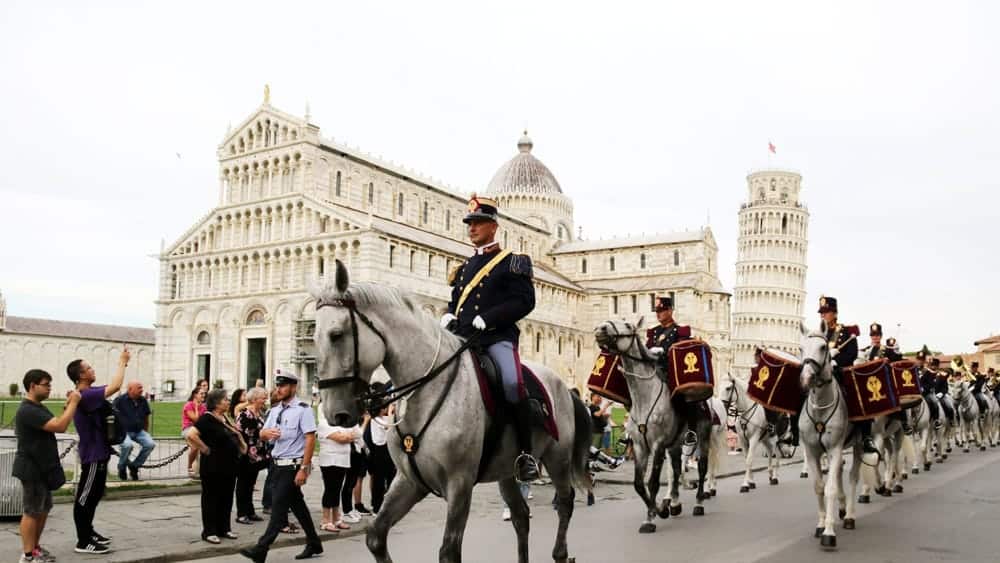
762 376
691 361
907 378
875 387
599 365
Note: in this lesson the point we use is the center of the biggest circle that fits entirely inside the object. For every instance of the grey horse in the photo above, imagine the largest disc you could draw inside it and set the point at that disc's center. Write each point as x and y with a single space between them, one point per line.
824 430
967 412
654 426
438 441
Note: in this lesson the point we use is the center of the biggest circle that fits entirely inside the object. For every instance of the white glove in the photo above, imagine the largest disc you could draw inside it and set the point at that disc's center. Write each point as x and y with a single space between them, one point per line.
478 323
446 319
940 395
656 351
834 352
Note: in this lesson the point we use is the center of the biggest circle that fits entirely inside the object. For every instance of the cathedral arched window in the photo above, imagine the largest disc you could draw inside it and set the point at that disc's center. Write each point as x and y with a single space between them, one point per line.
392 254
204 339
538 341
371 193
635 304
677 258
784 224
583 266
256 318
611 264
447 224
425 212
642 260
336 185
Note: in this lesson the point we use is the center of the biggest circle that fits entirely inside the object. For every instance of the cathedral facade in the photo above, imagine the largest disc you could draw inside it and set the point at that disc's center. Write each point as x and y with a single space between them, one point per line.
233 300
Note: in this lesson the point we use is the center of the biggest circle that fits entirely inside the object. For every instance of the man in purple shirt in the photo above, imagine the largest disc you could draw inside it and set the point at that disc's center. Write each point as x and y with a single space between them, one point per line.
94 449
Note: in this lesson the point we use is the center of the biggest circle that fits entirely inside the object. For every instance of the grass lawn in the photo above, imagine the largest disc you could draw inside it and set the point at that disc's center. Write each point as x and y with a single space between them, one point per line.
165 420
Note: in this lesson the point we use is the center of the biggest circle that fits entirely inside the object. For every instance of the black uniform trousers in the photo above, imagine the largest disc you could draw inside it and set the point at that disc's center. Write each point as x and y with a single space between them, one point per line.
285 495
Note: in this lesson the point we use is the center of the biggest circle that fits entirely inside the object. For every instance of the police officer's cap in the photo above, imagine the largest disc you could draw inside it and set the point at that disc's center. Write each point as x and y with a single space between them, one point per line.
876 330
284 376
827 304
481 209
664 303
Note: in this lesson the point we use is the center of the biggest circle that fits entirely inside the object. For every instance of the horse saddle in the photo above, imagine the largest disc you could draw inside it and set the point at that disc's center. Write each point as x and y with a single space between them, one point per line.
491 389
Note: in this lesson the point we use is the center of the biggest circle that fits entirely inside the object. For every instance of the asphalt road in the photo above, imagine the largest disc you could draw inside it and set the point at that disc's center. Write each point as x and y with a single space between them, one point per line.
949 514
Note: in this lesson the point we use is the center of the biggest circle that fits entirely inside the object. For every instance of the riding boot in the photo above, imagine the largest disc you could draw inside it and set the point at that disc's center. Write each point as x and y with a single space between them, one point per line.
526 465
793 427
867 443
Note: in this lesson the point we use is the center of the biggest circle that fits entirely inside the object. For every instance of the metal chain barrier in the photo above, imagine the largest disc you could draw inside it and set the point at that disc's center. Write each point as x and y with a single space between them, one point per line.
160 463
68 449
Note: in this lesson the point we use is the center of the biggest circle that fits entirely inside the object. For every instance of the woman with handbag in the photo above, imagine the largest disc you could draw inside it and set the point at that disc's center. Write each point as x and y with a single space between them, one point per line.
249 422
221 445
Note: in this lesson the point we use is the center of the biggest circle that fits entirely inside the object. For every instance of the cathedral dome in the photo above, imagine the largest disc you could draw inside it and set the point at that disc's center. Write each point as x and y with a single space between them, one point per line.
523 174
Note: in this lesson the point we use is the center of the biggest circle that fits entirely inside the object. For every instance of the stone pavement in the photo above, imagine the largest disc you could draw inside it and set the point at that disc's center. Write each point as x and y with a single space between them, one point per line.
168 527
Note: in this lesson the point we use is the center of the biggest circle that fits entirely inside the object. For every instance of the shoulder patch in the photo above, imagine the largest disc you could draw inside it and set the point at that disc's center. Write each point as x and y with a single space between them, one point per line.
454 274
521 264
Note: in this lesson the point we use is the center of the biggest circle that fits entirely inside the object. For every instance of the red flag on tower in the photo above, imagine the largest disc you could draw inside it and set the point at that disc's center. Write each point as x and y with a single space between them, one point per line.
772 148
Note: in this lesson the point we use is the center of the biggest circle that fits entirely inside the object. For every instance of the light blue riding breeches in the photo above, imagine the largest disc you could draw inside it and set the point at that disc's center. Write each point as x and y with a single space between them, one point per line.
509 363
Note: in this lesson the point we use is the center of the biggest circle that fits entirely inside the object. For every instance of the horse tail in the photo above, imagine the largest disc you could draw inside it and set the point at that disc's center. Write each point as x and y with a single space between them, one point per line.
582 435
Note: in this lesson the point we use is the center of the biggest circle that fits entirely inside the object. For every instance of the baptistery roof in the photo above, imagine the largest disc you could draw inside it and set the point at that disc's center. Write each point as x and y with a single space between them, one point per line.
524 174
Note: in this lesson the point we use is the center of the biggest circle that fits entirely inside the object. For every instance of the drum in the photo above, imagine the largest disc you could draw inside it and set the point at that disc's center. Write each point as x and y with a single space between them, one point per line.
690 363
907 383
775 384
869 390
607 379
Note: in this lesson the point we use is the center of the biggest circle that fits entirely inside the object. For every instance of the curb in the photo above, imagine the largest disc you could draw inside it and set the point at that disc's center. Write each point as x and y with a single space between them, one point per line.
754 469
126 494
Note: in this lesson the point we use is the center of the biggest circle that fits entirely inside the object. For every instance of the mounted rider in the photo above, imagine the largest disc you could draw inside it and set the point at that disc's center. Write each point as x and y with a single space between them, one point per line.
928 378
490 292
977 388
942 391
659 340
993 383
889 351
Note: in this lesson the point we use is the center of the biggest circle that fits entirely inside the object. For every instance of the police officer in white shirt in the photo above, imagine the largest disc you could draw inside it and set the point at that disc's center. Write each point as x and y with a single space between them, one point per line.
292 427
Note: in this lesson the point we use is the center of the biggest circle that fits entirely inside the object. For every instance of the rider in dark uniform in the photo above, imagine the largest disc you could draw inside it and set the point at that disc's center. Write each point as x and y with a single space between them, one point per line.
942 391
659 340
993 382
490 305
888 351
977 388
928 378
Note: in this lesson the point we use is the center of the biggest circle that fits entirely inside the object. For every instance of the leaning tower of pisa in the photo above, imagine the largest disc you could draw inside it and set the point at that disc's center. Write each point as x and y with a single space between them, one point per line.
770 267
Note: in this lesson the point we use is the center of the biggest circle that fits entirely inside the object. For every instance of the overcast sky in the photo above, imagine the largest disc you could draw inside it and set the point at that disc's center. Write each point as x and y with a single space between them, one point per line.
649 115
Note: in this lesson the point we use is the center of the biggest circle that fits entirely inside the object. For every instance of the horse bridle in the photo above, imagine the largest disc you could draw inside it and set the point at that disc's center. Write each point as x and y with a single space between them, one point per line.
820 367
644 356
352 308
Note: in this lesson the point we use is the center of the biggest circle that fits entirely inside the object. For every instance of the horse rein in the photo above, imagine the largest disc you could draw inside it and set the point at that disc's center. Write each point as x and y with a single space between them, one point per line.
820 426
643 358
730 404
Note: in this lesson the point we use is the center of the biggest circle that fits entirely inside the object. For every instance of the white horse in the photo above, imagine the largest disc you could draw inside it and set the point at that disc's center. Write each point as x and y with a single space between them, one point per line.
991 422
752 430
917 446
824 430
439 442
969 425
716 445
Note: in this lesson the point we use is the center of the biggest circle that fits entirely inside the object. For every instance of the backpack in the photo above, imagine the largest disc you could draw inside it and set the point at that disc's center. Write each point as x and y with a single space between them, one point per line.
110 422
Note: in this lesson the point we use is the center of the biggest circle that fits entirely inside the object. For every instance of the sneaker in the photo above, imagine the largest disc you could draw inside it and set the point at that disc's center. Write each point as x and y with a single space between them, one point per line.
100 539
134 473
243 520
212 539
26 558
230 535
122 476
506 515
43 555
361 509
352 517
255 518
92 548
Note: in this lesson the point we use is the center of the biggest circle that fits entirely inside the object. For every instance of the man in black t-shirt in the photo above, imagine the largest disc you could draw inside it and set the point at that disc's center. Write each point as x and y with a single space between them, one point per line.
37 453
599 418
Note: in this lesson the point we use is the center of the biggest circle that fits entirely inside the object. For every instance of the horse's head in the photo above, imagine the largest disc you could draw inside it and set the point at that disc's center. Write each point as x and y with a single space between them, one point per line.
348 349
621 337
958 388
729 392
817 364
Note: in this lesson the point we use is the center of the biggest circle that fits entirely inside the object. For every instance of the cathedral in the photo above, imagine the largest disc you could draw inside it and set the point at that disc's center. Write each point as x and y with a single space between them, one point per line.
233 300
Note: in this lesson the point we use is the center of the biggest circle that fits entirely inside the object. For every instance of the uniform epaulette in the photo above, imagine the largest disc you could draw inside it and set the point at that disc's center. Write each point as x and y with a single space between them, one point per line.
303 404
521 264
453 274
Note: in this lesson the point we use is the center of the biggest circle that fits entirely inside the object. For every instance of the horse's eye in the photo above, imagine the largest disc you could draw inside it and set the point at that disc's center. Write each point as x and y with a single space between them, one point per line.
334 336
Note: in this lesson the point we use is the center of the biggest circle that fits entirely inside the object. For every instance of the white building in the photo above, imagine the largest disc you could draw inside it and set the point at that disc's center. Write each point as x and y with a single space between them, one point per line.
770 267
30 343
233 303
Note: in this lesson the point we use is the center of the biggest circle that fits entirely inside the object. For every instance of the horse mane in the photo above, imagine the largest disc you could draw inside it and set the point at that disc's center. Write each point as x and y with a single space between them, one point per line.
366 293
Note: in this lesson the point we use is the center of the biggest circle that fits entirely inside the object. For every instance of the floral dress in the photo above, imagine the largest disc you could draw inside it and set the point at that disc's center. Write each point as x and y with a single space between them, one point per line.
250 425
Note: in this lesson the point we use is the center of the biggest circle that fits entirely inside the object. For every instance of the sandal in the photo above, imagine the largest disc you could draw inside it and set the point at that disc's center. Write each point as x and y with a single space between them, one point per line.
342 526
290 529
328 527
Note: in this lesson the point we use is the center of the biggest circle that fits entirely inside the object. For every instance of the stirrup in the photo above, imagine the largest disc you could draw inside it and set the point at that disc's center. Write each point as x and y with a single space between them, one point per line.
690 443
771 430
526 466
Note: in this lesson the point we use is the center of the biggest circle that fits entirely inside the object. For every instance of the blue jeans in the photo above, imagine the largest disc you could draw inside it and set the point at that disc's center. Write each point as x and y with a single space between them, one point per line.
525 489
131 438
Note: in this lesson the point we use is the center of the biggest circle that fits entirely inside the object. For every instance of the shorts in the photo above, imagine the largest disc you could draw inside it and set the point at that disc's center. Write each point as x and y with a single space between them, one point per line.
186 431
37 498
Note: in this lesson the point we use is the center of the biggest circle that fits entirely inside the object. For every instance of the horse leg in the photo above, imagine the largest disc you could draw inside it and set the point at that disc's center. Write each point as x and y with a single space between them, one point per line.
565 492
510 490
812 460
699 508
653 484
852 497
641 463
675 495
829 539
402 495
748 448
459 497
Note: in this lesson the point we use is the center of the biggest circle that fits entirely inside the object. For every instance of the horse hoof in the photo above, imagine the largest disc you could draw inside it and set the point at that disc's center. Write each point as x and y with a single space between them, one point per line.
828 542
916 471
774 480
849 524
819 532
803 475
647 528
842 513
905 476
897 489
864 499
982 448
966 450
744 489
947 450
712 492
945 456
927 466
753 485
698 511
